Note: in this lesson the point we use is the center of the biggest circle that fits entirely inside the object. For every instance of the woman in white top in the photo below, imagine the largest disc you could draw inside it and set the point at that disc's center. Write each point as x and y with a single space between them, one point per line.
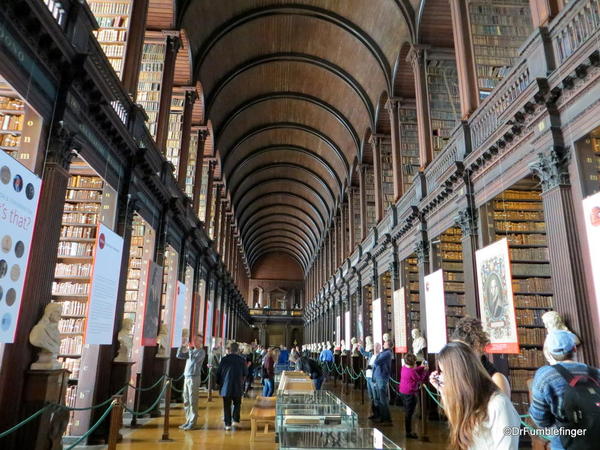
478 412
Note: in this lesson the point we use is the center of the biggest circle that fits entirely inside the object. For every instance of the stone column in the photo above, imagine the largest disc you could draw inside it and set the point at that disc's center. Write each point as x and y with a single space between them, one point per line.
467 221
392 106
543 11
135 45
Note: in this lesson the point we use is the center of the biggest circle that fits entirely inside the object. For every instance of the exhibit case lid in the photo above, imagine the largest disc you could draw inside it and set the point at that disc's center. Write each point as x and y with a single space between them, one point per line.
357 438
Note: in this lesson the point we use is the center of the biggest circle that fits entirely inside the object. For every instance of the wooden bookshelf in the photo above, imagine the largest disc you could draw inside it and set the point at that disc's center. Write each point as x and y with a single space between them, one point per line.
448 256
444 100
368 310
150 79
370 197
203 191
409 145
113 17
498 29
191 167
212 209
356 239
386 294
517 214
588 152
411 275
173 148
387 174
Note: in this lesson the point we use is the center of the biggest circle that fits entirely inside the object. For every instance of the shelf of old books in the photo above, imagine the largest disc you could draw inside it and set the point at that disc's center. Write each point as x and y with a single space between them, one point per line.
444 101
448 256
588 152
113 17
368 310
191 167
498 29
387 174
150 77
409 144
370 197
20 127
356 219
173 148
517 214
203 191
212 210
88 202
411 275
385 292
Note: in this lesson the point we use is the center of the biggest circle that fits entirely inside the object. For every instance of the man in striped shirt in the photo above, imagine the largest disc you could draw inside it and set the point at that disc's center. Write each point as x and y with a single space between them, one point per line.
549 386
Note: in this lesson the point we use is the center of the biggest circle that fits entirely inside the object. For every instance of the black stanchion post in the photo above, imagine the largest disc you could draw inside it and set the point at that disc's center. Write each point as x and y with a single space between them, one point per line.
362 383
136 399
116 420
209 385
165 435
423 436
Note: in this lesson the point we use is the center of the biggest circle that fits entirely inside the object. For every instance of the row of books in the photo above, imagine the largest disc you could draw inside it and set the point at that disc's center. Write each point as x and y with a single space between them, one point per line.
519 379
532 254
11 103
82 207
539 270
83 181
10 140
528 357
70 308
71 345
11 122
77 194
70 288
530 317
108 7
533 301
524 239
71 325
80 218
534 285
516 205
73 365
66 248
531 336
73 270
111 35
521 226
70 231
518 215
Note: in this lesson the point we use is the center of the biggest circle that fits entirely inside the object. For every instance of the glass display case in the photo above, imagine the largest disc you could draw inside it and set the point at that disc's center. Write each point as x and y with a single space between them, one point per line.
357 438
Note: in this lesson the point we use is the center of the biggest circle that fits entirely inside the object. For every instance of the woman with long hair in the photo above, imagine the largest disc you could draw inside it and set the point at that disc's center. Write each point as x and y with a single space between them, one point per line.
478 412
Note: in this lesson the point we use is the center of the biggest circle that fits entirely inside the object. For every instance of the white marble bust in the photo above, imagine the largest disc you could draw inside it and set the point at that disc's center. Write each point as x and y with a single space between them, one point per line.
125 341
369 344
164 347
386 337
419 343
553 321
46 336
355 347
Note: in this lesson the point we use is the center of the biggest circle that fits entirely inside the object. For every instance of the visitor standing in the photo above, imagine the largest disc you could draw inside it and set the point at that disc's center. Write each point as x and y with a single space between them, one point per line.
478 412
192 377
231 374
411 378
469 330
284 355
566 389
312 368
371 388
268 374
382 369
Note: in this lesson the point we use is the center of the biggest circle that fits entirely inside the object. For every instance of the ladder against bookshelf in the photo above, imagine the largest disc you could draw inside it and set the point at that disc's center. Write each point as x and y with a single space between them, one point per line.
444 101
411 275
498 29
517 214
150 77
409 145
113 17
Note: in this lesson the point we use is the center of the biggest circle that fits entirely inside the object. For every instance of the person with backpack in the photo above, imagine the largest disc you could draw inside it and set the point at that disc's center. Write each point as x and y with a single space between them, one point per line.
566 395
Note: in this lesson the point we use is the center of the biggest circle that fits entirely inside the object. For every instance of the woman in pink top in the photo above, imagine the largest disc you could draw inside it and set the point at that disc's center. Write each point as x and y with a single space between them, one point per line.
411 378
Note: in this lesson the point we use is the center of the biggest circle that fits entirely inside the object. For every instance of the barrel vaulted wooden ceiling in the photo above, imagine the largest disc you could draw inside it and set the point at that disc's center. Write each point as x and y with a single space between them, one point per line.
290 89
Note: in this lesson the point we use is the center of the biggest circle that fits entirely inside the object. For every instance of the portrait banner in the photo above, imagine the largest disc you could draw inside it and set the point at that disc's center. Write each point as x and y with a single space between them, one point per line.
376 326
347 330
152 304
591 211
496 297
400 338
435 309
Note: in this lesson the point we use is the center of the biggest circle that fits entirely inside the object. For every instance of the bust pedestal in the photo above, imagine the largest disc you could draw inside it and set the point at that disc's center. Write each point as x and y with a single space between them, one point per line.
158 368
45 431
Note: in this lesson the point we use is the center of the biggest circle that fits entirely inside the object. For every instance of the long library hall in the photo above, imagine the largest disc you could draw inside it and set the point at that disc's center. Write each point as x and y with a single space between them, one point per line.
360 224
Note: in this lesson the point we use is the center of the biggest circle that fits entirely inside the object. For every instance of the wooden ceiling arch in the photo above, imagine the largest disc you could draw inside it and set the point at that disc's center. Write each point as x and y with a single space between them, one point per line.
278 221
281 235
272 249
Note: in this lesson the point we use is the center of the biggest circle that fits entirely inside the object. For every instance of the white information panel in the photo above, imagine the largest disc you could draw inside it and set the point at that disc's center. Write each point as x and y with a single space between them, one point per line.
106 272
338 330
435 308
376 315
591 210
19 197
177 328
401 345
347 330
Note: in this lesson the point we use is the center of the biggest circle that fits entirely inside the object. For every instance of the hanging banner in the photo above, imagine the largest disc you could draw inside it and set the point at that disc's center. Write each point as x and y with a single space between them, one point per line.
177 327
435 308
338 330
152 304
347 330
376 318
102 302
496 298
401 342
209 323
201 311
19 197
223 327
591 211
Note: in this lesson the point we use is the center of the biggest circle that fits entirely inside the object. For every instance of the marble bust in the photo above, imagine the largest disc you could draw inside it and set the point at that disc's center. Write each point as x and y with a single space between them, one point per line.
45 335
369 344
355 347
164 349
419 343
553 321
386 337
125 341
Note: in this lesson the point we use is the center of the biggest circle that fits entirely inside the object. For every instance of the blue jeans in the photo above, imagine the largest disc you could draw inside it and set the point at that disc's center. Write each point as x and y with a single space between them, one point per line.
383 399
318 382
373 395
268 387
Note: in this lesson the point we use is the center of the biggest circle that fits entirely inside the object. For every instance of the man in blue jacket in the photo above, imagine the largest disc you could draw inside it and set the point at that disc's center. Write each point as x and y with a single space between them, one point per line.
230 377
382 368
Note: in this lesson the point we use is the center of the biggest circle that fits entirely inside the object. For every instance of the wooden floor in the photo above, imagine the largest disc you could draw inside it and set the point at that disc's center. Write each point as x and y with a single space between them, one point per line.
212 436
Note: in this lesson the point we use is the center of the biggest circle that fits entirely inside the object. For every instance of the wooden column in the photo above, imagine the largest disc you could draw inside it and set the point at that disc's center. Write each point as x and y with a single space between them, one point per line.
135 46
422 252
363 200
202 136
543 11
416 57
18 356
186 131
467 221
568 280
343 229
166 89
207 214
375 142
392 106
351 225
465 58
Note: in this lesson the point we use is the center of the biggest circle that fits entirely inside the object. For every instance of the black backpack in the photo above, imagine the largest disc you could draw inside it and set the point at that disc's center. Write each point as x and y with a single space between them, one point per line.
581 409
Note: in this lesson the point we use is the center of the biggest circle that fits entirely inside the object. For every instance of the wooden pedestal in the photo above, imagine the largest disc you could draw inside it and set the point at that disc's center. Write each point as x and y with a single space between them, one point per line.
159 367
45 431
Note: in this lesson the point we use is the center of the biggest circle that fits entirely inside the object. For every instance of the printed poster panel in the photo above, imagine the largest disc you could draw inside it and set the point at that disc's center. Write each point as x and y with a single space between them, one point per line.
19 197
400 321
377 333
435 308
152 304
496 297
591 211
347 330
180 298
338 330
106 272
359 325
209 323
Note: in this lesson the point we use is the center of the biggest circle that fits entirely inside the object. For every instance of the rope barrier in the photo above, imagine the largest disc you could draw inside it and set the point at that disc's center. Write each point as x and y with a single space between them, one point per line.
156 402
93 428
24 422
99 405
148 388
